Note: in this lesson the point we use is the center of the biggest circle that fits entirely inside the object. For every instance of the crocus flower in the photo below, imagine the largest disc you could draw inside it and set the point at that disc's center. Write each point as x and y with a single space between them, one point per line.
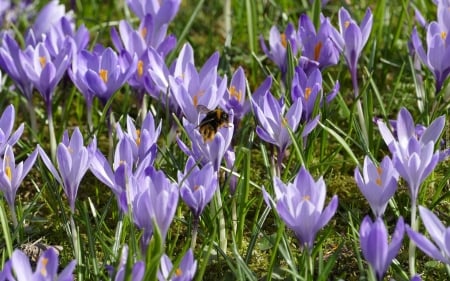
137 271
278 43
374 244
197 186
73 160
317 46
44 70
378 183
117 177
49 15
12 175
156 204
137 41
352 38
235 96
437 57
413 156
438 247
65 27
7 136
46 269
274 118
308 88
300 205
162 11
10 64
106 72
143 140
191 88
184 272
209 150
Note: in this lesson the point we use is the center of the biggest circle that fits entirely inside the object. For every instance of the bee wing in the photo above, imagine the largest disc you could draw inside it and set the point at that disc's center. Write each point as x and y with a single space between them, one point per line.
203 109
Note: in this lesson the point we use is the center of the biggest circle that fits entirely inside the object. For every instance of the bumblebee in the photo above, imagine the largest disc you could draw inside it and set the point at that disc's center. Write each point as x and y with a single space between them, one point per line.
213 121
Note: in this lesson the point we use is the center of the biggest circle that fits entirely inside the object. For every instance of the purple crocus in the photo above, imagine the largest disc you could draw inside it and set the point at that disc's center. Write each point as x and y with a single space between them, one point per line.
137 270
73 160
143 140
48 16
377 183
278 43
308 88
106 72
197 186
351 39
46 268
413 156
317 46
162 11
209 150
235 96
156 204
184 272
275 119
440 235
7 136
300 205
12 175
120 175
10 64
437 57
375 247
191 88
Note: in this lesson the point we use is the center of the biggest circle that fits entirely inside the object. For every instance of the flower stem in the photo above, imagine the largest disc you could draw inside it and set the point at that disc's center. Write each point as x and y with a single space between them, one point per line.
89 117
362 122
219 211
195 222
76 245
412 246
14 216
30 108
51 130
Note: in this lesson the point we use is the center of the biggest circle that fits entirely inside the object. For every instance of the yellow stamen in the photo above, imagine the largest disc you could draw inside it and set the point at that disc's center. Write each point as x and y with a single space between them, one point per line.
283 40
306 198
235 93
346 23
379 170
317 50
178 272
138 137
196 97
308 91
443 35
104 75
42 61
8 172
44 266
284 121
144 32
140 68
378 181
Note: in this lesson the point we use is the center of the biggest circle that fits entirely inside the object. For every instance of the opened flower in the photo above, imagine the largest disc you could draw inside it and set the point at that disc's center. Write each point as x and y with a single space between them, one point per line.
413 156
46 268
377 183
300 205
185 270
73 160
197 186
